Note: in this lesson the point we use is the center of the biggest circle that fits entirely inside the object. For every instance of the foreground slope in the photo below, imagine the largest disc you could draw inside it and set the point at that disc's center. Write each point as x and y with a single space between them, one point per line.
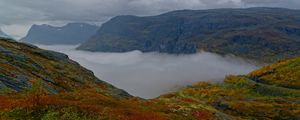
72 33
262 34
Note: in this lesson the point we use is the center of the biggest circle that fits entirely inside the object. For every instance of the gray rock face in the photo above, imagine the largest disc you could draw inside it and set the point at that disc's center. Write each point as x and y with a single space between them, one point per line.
223 31
19 83
72 33
52 55
4 50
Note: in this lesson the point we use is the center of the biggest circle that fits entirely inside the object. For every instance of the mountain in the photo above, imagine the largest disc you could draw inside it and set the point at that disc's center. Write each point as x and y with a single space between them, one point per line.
2 34
262 34
39 84
72 33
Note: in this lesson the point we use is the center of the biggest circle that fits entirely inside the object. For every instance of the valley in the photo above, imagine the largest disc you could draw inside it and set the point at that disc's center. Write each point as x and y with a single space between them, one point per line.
150 60
29 95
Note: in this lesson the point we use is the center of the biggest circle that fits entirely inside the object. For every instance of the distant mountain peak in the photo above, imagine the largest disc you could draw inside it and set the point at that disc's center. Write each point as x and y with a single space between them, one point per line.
71 33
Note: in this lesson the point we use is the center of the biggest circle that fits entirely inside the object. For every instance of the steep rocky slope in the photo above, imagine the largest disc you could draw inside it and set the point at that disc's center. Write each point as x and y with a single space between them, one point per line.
23 65
263 34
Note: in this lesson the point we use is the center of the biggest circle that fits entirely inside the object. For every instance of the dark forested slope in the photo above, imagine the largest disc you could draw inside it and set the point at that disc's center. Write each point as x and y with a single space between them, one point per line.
263 34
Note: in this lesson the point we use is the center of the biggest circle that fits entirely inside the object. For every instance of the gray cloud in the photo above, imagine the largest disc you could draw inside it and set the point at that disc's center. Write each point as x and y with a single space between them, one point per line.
152 74
294 4
17 11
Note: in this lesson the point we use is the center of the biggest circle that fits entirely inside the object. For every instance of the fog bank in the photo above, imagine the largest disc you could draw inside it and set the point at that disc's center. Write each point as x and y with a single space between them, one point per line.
149 75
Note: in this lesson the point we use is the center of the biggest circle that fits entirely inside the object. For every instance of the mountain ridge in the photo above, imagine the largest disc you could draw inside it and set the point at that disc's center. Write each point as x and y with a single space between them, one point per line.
250 33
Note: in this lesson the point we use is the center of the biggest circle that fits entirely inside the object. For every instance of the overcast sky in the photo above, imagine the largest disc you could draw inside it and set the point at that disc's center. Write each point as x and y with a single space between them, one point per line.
18 15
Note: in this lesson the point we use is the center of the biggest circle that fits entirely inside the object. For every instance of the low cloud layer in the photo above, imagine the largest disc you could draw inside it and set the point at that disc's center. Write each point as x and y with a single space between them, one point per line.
149 75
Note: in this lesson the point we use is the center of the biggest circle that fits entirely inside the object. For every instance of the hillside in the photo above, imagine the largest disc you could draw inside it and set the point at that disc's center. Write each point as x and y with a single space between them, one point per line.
262 34
39 84
22 66
72 33
243 97
284 73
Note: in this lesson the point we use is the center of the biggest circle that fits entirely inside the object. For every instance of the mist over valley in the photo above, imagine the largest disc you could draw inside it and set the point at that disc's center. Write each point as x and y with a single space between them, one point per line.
149 75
